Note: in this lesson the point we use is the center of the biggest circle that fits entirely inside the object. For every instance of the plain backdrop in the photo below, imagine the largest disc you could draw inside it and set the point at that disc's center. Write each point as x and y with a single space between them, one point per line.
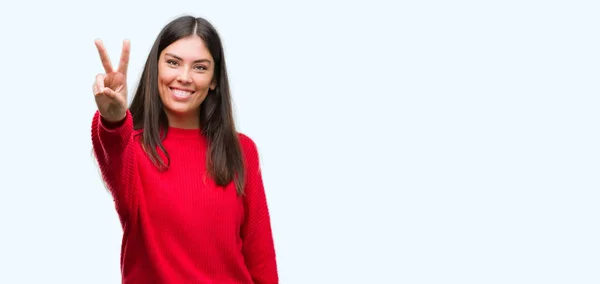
401 141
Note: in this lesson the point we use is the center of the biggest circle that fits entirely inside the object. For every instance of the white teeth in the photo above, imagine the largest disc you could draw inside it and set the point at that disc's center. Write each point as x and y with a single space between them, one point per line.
181 93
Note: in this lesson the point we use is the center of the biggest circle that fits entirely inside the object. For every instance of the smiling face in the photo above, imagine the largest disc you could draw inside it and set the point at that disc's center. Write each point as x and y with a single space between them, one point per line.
185 75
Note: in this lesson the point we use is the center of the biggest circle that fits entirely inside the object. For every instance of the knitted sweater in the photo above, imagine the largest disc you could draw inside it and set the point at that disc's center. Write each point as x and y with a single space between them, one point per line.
178 225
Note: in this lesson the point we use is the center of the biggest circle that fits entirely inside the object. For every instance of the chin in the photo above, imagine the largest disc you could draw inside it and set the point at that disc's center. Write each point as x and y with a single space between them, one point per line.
182 110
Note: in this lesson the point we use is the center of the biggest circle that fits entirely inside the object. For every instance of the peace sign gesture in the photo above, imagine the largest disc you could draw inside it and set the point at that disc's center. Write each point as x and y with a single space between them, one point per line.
110 89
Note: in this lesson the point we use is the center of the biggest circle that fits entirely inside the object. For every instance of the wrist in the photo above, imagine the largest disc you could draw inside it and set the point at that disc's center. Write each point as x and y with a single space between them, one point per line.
113 121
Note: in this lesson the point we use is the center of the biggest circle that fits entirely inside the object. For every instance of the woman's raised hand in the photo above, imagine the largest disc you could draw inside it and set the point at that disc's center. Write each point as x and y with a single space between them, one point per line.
110 89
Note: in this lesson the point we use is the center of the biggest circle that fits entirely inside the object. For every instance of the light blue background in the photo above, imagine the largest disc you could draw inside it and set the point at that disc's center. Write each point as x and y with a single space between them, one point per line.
415 142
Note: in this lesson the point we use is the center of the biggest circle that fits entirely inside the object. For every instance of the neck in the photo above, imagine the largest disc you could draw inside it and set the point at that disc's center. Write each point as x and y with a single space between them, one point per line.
187 121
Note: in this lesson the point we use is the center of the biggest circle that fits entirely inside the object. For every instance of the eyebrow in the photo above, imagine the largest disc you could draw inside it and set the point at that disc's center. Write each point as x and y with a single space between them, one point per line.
195 61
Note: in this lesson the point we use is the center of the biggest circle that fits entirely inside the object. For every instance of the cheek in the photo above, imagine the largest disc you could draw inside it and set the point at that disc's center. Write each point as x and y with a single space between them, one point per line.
202 81
166 76
164 80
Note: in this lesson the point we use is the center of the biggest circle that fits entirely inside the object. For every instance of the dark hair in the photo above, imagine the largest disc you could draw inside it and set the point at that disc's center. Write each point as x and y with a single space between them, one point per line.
224 159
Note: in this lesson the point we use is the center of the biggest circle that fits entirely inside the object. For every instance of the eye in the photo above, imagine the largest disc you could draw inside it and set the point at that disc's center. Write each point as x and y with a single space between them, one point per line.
172 62
201 67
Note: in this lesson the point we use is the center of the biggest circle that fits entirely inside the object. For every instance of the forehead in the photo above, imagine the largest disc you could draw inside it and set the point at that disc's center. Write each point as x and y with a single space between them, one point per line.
188 48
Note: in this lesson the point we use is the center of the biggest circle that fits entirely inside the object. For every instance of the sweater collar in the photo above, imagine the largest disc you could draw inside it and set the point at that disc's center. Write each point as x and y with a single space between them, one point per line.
183 133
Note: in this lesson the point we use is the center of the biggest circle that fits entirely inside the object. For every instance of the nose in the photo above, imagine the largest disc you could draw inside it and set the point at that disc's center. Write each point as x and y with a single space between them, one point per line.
184 77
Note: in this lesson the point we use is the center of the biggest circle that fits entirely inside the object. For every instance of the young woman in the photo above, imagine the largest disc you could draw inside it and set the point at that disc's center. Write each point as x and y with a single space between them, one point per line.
187 187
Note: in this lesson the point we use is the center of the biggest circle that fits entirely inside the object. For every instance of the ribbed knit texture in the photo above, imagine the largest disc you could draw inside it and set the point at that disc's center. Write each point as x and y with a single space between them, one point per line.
178 225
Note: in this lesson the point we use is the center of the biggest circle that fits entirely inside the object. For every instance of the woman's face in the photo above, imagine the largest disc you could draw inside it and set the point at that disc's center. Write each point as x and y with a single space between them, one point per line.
185 75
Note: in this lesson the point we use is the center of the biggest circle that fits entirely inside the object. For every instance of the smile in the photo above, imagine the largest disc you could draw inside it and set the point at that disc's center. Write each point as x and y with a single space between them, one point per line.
181 94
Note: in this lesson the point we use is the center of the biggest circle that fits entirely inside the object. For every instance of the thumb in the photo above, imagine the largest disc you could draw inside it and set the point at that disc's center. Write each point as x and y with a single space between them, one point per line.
110 93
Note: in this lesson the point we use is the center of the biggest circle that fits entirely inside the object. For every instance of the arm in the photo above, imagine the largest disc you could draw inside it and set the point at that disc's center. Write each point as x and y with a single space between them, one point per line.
258 246
112 146
112 129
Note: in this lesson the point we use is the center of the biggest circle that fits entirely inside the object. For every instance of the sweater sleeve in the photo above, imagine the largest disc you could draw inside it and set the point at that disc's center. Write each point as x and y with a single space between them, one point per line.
258 246
113 150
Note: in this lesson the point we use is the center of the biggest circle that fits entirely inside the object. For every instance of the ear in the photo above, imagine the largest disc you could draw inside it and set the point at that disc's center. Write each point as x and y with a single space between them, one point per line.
213 85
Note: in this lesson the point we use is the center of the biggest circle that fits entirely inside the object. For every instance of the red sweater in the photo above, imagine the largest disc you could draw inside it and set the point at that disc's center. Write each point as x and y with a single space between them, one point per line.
178 226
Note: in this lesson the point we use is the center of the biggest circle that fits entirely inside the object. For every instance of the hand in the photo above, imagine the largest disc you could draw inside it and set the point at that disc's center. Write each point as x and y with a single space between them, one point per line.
110 89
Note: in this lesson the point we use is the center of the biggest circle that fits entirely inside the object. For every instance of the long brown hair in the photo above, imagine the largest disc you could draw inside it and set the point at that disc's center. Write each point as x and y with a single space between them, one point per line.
224 159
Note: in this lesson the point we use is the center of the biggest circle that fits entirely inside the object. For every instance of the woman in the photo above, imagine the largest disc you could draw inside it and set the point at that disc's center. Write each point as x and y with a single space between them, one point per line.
187 187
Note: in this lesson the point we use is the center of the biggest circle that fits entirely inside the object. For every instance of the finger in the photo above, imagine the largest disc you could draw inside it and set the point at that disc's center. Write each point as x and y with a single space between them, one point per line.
103 56
124 62
104 91
99 84
110 93
95 89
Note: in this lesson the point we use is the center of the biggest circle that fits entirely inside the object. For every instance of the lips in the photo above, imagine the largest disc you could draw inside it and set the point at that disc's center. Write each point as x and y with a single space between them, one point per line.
181 94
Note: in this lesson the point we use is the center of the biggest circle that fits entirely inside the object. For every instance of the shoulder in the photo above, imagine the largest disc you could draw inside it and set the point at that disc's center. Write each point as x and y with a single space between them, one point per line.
137 134
248 147
246 143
